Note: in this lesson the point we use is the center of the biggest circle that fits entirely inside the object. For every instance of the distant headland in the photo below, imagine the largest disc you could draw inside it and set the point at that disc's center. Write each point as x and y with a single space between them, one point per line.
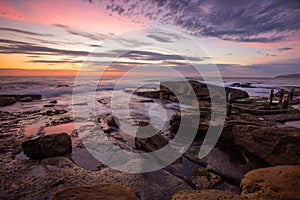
288 76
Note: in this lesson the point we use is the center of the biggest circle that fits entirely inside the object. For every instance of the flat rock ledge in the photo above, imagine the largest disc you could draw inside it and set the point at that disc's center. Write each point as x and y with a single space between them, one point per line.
96 192
205 194
279 182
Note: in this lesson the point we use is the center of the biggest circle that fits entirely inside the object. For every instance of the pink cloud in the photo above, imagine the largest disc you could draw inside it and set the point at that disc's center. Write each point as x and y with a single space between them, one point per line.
77 14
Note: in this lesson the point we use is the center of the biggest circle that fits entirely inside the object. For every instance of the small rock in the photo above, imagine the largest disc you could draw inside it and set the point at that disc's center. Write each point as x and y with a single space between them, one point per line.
54 102
55 112
112 121
48 106
99 192
48 146
102 101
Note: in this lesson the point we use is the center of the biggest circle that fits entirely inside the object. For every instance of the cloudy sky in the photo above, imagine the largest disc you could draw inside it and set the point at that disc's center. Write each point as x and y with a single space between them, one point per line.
242 38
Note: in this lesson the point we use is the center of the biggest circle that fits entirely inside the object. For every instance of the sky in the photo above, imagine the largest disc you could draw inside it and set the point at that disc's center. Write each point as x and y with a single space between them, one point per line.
241 38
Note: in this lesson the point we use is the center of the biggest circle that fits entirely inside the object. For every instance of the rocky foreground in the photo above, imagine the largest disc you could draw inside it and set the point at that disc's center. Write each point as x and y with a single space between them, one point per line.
257 156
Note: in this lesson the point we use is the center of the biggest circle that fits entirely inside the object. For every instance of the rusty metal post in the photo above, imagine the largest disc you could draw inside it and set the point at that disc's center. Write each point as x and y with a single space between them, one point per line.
271 97
286 101
229 105
281 94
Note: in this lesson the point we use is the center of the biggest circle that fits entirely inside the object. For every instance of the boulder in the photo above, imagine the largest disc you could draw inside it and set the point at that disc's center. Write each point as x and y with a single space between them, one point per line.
48 146
152 143
279 182
96 192
205 194
275 144
5 101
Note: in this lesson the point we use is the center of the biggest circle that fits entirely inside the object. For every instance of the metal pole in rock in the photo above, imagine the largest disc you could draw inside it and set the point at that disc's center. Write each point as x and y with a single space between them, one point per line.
229 105
281 96
271 97
292 94
285 101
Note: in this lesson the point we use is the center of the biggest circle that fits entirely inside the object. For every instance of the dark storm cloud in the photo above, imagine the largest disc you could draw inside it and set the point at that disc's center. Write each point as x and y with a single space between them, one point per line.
24 32
88 35
160 38
17 47
284 49
236 20
56 61
266 54
148 55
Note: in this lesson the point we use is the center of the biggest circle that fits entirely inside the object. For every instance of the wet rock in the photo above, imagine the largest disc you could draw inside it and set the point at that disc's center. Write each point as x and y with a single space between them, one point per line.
21 96
146 101
201 90
236 93
5 101
48 146
279 182
152 143
100 192
112 121
274 144
205 194
54 112
25 99
243 85
62 85
109 123
102 101
48 106
191 125
202 178
235 85
150 94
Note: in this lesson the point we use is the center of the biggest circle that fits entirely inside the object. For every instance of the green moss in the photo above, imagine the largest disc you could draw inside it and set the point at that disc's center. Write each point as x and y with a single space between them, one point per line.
193 152
101 166
198 172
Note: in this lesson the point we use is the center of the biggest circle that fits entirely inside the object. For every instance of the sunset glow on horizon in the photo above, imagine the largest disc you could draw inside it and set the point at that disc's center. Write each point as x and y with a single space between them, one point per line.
55 38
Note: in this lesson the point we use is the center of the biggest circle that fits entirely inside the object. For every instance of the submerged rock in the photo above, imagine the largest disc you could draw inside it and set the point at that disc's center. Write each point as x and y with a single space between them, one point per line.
152 143
279 182
5 101
25 99
62 85
99 192
205 194
48 146
20 96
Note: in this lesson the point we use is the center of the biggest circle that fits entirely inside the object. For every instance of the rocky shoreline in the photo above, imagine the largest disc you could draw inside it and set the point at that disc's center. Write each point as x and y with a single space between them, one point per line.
257 156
